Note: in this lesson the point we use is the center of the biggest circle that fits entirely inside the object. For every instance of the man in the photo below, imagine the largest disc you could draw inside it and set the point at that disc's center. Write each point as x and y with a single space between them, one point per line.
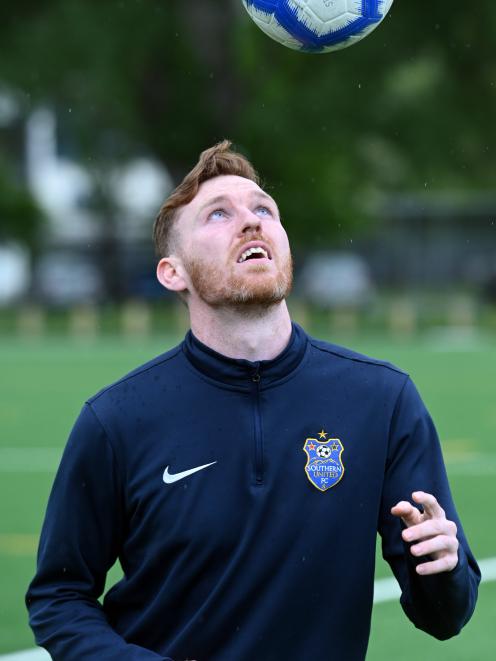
241 477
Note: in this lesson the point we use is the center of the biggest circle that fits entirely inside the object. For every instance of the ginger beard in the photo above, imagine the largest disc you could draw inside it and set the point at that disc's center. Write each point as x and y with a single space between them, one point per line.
243 286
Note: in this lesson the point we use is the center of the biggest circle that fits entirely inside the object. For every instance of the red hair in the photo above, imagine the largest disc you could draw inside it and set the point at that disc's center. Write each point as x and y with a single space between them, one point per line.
213 162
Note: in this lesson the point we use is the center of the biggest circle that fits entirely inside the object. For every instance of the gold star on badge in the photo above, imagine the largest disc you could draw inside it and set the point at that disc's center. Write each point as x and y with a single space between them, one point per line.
322 434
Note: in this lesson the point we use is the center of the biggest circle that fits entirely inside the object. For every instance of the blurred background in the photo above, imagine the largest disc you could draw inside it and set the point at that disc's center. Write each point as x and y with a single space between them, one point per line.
381 158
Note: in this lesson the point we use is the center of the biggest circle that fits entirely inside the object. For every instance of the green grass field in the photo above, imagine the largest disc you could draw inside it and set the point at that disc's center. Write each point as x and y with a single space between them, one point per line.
44 382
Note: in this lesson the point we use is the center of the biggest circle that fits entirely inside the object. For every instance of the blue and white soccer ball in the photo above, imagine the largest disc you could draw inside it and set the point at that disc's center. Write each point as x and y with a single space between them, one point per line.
317 26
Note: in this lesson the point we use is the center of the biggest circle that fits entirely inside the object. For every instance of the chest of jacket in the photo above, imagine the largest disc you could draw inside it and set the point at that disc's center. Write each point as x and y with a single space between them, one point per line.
217 463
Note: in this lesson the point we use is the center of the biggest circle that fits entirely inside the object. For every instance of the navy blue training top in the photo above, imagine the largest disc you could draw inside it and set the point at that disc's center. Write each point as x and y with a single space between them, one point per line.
242 500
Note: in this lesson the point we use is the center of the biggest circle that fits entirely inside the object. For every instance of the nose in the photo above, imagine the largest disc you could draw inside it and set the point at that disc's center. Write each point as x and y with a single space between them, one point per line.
250 222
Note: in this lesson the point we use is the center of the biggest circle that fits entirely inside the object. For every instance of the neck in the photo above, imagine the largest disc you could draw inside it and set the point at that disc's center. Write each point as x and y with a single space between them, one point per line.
252 333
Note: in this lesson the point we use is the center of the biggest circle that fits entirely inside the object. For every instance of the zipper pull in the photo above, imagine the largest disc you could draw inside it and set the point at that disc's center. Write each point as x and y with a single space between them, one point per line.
255 377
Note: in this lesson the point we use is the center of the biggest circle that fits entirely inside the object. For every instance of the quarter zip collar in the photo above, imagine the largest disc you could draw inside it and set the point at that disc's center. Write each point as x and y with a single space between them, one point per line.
241 372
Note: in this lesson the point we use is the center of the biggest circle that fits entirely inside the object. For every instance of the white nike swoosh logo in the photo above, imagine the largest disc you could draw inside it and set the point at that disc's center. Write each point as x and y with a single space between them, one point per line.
170 479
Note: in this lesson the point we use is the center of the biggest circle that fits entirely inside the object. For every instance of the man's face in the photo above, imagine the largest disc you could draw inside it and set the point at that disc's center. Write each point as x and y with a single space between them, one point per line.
233 245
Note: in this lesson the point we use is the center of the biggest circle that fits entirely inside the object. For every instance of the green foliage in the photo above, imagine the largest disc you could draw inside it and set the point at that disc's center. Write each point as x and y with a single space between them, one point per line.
20 217
409 108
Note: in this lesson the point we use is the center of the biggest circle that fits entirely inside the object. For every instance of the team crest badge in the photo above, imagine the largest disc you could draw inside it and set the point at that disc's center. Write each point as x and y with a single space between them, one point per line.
324 467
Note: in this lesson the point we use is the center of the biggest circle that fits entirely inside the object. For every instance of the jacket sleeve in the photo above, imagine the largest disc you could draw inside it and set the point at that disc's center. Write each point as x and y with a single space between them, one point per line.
439 604
79 543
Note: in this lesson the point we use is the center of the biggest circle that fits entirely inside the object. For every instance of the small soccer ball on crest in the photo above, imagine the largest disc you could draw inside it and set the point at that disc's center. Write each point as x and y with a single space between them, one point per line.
323 452
317 26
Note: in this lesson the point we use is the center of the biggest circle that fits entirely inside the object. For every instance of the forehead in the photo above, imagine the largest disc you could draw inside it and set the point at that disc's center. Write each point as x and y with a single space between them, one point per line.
229 186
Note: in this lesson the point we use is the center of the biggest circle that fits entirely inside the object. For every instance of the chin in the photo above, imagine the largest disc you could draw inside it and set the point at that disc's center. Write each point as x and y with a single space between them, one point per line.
257 296
255 291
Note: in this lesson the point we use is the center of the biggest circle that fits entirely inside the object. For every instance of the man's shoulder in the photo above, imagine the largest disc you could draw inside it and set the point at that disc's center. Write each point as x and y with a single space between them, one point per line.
354 358
141 377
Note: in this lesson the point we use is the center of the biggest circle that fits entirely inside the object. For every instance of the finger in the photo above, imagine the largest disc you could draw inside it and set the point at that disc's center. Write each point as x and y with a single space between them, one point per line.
436 546
407 512
431 507
444 564
429 528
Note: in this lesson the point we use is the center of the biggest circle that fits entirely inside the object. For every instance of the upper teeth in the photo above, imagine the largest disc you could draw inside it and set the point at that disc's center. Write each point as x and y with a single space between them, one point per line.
251 251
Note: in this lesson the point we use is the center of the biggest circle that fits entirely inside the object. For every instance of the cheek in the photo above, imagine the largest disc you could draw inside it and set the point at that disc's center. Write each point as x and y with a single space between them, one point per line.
281 241
208 253
211 240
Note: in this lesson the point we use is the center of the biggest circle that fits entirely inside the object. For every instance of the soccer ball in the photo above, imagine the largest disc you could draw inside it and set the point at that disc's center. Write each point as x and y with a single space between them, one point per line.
323 452
317 26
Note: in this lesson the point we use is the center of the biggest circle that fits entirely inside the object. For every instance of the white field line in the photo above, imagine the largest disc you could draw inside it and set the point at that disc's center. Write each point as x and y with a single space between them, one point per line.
37 654
46 460
385 589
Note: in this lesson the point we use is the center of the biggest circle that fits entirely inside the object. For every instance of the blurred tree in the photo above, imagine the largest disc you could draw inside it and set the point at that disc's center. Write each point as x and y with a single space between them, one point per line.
411 107
20 217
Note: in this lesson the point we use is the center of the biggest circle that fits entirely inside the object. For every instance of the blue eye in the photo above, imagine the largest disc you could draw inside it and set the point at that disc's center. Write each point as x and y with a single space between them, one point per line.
263 211
218 214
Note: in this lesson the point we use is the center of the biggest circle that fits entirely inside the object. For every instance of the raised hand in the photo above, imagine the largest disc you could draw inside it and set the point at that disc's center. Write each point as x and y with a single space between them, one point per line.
432 532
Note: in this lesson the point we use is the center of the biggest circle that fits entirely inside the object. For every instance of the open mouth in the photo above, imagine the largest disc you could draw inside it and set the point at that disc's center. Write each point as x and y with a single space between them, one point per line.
255 252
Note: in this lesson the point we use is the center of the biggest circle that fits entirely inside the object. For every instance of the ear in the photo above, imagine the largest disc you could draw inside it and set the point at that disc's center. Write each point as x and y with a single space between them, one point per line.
171 274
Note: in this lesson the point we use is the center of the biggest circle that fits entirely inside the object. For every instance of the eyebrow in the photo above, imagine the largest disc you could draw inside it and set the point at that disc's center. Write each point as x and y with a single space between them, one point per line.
225 198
